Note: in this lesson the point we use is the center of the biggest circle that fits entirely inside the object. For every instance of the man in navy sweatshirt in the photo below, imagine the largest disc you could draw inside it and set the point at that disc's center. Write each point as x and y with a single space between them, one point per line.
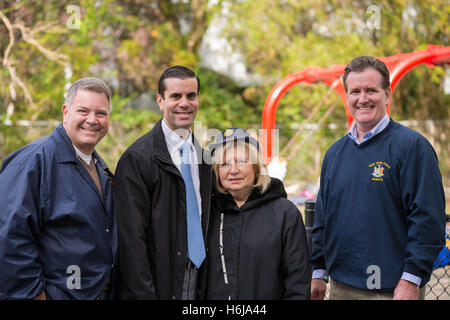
380 211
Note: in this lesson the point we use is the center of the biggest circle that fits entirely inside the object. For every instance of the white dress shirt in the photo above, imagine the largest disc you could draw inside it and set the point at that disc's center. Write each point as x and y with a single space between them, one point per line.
174 143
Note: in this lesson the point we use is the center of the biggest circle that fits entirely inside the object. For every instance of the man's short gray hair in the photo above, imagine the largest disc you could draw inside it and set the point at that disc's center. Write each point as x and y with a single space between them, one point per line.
90 84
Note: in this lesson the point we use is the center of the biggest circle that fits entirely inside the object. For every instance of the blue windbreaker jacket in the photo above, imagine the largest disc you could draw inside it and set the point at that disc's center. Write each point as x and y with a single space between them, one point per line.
57 234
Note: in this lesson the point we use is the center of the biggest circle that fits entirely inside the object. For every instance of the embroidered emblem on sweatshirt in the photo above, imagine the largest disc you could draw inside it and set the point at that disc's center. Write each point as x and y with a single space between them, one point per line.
378 170
228 132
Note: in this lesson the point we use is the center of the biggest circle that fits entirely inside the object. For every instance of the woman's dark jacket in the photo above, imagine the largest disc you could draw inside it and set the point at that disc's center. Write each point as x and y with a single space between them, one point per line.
264 246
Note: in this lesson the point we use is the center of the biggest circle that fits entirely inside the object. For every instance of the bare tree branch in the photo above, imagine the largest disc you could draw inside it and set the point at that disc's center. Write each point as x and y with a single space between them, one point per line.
28 36
198 8
11 37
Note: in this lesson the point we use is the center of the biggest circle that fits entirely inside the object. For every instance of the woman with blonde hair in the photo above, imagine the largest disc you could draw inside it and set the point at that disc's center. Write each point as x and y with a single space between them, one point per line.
256 242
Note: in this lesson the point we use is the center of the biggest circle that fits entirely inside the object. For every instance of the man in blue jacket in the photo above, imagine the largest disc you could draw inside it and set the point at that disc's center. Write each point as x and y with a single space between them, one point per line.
58 237
380 211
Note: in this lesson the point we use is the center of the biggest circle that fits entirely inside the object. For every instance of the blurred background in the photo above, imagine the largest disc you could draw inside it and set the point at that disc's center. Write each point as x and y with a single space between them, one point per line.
240 49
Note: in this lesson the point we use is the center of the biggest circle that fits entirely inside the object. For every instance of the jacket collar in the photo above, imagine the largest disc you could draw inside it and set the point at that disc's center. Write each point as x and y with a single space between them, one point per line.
66 154
160 146
66 151
256 199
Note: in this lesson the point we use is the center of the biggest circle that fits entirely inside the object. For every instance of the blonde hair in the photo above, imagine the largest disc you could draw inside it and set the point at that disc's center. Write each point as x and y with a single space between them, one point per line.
262 178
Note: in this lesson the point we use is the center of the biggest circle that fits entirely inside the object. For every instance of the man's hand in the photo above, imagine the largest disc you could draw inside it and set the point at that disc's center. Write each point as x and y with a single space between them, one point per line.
318 289
406 290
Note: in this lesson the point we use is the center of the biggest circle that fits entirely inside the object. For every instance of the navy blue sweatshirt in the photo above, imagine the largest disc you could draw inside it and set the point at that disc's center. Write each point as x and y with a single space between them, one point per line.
382 204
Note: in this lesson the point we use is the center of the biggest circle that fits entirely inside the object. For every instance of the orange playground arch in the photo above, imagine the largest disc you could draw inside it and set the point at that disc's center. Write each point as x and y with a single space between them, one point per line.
398 65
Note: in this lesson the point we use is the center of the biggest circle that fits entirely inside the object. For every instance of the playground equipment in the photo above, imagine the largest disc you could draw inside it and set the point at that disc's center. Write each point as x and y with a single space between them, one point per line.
398 65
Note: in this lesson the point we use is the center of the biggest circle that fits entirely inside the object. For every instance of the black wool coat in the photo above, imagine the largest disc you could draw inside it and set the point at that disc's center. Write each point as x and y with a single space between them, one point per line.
150 201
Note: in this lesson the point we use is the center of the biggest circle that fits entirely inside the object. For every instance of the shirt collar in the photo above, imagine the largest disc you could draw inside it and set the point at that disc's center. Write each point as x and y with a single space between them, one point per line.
174 141
380 126
85 157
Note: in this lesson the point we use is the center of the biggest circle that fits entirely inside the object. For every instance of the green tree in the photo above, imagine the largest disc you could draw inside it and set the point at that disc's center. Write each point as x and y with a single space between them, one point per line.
130 42
280 37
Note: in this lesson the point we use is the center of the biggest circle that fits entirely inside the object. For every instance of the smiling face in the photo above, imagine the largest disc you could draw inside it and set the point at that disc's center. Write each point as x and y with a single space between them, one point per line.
237 174
366 99
86 120
179 102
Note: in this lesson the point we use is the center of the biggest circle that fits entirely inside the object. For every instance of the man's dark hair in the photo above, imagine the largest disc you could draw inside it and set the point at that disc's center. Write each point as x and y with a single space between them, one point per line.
179 72
364 62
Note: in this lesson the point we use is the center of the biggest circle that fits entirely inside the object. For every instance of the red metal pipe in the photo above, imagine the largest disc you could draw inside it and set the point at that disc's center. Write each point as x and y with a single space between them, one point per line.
398 65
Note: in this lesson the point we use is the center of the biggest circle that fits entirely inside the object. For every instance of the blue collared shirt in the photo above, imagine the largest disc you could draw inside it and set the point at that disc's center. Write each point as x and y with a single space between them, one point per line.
372 133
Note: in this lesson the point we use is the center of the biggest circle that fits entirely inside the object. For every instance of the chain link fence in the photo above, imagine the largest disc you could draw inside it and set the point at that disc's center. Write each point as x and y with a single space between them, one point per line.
438 288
